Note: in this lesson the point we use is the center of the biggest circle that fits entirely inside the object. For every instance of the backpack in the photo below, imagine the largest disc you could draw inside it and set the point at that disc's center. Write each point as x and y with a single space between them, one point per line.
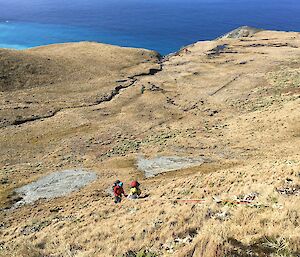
116 183
135 184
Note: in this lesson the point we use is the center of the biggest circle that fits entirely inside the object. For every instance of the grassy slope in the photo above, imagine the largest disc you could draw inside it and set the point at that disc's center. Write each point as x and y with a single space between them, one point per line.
238 107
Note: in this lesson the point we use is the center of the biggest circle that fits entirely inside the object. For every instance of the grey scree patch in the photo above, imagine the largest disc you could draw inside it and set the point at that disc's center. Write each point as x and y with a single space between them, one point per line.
158 165
55 185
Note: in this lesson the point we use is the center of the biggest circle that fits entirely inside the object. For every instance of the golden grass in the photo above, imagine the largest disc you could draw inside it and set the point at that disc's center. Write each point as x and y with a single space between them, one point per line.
252 141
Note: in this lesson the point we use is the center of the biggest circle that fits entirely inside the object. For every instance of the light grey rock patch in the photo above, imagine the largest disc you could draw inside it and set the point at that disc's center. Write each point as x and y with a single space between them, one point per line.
241 32
54 185
158 165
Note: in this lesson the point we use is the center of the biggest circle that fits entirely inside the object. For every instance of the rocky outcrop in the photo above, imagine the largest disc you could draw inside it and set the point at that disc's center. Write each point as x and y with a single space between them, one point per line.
240 32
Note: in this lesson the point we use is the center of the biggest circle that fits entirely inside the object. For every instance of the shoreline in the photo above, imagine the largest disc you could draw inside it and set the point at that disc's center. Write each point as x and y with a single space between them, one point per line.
242 31
163 56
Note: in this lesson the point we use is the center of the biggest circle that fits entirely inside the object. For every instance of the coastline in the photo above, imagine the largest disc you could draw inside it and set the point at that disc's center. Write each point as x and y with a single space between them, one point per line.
219 118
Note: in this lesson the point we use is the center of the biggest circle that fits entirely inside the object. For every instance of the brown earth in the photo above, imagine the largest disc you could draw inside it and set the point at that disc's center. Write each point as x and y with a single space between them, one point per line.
234 101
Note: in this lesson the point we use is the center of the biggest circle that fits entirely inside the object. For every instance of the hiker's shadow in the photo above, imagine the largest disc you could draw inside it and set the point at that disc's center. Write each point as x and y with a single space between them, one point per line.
144 196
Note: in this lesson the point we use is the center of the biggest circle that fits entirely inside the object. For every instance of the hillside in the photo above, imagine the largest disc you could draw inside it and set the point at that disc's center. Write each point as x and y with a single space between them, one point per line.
234 102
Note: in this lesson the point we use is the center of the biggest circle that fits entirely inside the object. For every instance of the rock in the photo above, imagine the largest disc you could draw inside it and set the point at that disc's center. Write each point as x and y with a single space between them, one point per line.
56 209
185 240
217 199
289 190
171 246
247 198
241 32
222 215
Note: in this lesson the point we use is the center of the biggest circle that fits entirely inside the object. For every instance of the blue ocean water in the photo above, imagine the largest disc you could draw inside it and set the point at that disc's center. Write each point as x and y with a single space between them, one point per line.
162 25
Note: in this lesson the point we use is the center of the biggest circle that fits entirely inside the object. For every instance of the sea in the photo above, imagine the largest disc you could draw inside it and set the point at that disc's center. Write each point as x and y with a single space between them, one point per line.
161 25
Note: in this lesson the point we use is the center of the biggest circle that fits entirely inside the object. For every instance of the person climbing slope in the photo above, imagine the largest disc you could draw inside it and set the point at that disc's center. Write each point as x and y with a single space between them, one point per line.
118 192
135 190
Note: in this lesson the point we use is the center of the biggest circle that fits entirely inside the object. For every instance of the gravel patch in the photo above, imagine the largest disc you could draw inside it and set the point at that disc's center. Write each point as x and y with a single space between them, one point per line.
54 185
158 165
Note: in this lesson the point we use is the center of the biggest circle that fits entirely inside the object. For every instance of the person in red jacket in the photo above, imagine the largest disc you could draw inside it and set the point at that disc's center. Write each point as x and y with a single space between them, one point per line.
118 192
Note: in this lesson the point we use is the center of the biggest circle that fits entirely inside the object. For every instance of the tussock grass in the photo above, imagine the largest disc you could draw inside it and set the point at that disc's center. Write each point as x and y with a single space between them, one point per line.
249 130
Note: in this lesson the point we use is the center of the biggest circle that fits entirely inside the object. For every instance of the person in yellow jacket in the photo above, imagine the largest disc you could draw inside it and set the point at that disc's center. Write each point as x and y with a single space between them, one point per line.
135 190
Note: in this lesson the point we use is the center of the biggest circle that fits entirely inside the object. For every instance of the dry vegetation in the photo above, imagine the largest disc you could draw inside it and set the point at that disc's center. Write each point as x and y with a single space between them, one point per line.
234 101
